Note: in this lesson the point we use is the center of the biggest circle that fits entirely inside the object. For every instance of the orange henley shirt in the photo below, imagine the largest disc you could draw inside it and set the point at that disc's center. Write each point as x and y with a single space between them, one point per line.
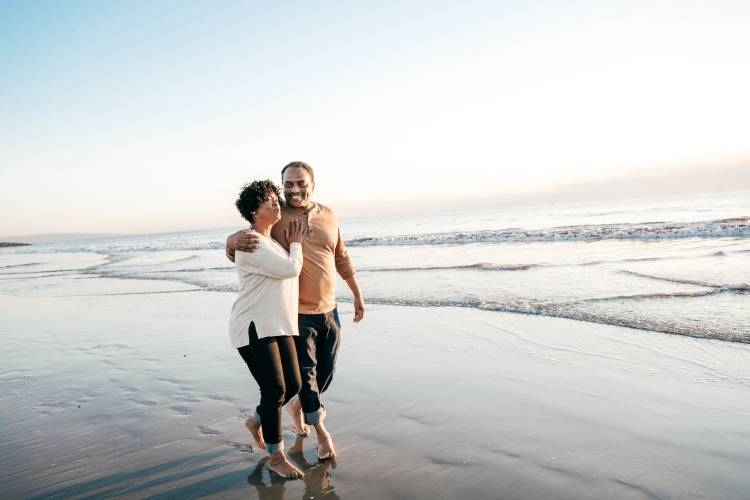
324 255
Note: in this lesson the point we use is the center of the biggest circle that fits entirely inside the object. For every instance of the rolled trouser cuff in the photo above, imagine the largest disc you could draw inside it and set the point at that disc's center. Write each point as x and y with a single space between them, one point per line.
274 447
314 418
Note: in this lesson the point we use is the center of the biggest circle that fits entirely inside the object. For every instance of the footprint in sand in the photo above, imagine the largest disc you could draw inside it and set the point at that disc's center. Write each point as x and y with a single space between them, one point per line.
219 397
145 402
241 447
208 430
451 461
182 410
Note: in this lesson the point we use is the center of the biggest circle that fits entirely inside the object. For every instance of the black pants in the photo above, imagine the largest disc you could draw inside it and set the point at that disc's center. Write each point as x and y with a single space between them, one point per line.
317 346
273 363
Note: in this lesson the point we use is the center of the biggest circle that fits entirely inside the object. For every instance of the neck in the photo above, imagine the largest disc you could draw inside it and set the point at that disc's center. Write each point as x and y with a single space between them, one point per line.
304 207
262 228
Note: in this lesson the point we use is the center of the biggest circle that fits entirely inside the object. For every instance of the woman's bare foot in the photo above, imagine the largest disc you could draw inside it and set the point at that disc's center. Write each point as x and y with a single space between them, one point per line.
254 427
283 467
325 443
294 408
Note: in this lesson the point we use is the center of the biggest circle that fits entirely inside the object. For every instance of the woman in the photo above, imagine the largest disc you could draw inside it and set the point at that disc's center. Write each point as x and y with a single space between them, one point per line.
264 318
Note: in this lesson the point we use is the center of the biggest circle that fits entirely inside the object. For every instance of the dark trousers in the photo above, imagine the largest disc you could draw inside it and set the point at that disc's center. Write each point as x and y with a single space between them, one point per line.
273 363
317 346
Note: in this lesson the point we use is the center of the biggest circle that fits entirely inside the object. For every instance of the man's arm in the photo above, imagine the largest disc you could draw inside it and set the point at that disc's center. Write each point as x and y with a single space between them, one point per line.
246 240
346 270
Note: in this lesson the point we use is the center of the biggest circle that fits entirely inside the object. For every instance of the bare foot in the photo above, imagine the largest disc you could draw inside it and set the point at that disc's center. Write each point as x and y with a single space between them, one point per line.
254 427
325 443
283 467
294 408
297 452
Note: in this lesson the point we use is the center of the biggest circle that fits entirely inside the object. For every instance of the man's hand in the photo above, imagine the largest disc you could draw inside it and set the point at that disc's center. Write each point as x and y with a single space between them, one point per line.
246 240
359 309
359 302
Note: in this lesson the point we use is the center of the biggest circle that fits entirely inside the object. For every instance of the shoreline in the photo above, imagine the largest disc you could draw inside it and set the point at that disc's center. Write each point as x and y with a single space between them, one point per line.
147 399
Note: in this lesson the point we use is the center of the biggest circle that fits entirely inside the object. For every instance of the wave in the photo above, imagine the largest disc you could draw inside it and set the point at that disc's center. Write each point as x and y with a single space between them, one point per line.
489 266
581 310
50 272
21 265
725 228
723 287
573 312
129 274
106 248
657 295
196 269
479 266
184 259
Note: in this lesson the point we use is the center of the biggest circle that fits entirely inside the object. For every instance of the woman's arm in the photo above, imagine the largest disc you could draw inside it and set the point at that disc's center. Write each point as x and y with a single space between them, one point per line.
266 261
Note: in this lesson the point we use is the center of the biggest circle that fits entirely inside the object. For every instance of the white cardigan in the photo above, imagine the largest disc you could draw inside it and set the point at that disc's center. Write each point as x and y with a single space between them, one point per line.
269 292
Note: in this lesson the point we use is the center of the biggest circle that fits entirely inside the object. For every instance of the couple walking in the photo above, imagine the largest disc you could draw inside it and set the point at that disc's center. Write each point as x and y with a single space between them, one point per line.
284 322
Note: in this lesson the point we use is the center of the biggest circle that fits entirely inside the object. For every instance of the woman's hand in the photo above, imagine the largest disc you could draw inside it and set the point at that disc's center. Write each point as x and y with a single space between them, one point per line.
296 232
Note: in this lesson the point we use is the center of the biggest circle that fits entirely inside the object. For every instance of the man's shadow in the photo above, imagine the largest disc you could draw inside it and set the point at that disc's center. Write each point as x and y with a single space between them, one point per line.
317 477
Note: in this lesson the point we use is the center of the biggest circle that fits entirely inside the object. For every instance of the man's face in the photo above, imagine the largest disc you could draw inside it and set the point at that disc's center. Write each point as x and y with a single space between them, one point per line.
297 187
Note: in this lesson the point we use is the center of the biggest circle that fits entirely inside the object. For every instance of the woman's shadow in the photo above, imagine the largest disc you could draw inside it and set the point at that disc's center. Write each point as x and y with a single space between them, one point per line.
317 477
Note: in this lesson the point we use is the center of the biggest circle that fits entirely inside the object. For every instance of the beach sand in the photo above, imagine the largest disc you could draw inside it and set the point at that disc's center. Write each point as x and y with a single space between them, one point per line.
109 391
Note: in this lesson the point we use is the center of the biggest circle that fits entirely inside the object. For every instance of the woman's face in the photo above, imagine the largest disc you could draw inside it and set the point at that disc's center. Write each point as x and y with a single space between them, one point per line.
269 212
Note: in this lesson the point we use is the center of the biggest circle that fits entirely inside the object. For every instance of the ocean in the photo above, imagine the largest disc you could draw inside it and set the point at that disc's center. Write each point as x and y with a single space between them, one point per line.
671 265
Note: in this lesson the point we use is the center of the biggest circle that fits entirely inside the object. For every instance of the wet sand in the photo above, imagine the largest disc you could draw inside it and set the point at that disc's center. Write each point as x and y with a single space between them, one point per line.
108 389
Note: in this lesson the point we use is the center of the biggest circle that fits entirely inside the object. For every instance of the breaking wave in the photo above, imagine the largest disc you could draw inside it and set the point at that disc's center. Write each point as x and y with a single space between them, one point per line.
725 228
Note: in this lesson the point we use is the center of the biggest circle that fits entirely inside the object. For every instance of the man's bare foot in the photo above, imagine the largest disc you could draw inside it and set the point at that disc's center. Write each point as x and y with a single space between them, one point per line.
254 427
294 408
325 443
283 467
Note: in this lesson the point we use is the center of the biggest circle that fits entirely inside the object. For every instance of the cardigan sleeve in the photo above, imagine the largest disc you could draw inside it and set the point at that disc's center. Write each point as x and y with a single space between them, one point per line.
268 262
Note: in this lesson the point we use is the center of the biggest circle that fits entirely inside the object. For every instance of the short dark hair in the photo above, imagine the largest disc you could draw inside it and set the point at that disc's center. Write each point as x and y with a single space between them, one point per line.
252 195
299 164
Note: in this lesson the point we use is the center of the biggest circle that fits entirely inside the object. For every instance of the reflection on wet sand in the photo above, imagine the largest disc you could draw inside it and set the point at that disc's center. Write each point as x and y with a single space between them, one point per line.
317 477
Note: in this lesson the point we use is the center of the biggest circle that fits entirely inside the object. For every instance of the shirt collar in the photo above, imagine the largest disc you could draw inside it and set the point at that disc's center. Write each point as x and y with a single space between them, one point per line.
313 208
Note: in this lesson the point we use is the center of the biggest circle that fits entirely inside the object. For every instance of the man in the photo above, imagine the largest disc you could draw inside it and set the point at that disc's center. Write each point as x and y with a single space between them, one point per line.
324 255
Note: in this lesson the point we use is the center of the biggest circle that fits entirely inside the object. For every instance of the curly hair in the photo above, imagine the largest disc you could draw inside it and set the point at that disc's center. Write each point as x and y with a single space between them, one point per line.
252 195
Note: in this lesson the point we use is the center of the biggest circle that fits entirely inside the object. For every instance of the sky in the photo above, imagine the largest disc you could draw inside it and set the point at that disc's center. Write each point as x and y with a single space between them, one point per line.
149 116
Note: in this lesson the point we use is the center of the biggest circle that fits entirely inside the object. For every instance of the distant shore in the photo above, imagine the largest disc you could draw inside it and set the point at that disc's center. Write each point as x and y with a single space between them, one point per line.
11 244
